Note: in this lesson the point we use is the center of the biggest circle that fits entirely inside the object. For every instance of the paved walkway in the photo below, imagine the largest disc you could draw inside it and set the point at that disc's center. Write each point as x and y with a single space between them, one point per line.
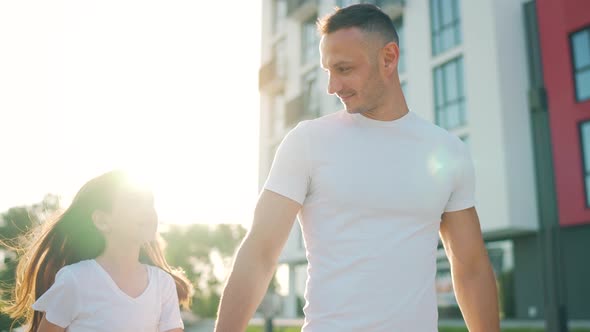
206 325
517 323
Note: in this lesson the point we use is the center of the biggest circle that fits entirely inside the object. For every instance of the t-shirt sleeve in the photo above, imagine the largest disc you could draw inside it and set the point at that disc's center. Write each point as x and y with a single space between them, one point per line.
60 302
290 172
463 194
170 317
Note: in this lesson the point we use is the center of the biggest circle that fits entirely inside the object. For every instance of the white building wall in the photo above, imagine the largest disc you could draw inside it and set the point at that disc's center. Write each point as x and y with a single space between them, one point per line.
513 86
485 113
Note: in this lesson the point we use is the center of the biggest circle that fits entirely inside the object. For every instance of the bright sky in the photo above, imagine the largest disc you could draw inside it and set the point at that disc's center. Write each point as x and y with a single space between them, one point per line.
166 88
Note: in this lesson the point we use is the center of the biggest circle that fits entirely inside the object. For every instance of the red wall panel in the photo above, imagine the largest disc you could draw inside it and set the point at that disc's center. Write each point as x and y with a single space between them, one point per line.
557 20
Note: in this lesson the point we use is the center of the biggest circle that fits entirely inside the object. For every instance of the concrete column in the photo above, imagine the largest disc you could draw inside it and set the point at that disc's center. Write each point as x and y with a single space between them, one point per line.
290 309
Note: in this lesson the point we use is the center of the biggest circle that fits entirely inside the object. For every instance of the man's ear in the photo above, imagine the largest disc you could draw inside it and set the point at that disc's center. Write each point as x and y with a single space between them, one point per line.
390 56
101 221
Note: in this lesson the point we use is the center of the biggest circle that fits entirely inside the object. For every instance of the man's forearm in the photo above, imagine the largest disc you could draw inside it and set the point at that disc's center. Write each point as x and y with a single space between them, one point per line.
245 288
478 299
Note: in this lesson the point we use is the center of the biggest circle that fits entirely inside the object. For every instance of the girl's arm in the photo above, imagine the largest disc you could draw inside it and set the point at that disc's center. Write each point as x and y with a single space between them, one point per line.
59 303
46 326
173 330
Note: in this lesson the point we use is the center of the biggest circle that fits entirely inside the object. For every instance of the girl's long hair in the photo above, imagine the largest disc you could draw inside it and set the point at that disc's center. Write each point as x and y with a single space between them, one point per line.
70 238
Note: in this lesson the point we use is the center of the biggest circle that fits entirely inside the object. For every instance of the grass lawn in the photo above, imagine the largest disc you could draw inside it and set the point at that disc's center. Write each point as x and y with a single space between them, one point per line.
442 329
276 329
531 329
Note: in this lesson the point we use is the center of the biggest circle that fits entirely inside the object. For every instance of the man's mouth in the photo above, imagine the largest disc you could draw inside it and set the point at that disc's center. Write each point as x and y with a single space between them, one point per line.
344 97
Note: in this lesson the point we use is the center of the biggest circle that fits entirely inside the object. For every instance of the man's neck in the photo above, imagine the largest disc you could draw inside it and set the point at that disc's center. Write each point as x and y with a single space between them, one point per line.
392 107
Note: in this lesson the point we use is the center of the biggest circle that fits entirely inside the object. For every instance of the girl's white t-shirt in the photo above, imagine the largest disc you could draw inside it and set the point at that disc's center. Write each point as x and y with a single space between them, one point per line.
85 298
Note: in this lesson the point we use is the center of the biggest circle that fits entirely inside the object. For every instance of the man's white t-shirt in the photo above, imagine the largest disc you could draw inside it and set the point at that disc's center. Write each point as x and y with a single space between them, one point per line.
85 298
373 193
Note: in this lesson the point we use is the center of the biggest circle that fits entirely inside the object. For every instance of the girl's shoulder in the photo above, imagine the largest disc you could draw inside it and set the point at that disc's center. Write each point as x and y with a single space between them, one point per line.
79 271
78 268
164 278
158 272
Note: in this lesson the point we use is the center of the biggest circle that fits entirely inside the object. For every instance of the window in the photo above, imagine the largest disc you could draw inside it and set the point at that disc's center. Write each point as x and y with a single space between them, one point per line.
310 41
580 42
449 98
445 25
399 27
585 136
311 94
279 15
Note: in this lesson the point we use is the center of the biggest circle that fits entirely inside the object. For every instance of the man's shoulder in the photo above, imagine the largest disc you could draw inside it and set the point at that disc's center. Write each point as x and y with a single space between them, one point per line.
437 134
323 122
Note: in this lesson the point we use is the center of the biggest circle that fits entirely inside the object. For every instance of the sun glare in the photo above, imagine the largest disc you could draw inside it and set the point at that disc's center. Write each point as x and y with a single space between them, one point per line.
155 88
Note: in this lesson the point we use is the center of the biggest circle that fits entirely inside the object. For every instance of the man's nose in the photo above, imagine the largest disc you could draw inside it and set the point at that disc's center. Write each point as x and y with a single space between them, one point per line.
334 85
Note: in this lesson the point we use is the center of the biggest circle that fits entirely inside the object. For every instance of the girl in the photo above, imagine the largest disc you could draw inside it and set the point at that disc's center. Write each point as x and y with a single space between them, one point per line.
99 266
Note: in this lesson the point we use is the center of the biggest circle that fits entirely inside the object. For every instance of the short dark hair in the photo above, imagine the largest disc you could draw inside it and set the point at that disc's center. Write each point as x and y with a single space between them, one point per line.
366 17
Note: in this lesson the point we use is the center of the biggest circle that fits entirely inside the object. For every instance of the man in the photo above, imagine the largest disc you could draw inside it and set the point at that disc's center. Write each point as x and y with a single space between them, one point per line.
373 185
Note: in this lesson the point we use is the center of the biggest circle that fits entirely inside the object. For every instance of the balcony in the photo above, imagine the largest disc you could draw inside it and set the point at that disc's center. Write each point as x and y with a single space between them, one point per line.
301 9
393 8
271 77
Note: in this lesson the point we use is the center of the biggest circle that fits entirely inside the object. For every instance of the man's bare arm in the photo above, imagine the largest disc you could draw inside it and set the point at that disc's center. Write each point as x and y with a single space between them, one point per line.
256 261
473 277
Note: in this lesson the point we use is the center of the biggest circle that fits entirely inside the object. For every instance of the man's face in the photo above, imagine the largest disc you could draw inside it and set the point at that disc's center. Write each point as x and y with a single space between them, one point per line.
351 58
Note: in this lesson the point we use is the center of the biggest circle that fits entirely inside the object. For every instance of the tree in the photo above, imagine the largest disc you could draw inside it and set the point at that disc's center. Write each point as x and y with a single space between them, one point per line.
14 224
204 252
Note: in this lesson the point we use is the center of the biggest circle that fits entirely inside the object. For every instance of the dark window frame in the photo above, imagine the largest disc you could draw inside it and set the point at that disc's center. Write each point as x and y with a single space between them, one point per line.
440 108
576 71
436 30
585 167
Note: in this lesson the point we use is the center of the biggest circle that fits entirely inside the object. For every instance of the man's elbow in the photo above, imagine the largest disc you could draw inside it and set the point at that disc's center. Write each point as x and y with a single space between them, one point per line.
473 267
255 253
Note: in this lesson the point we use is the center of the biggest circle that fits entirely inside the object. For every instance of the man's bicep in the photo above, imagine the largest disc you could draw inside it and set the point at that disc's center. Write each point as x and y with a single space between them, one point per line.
463 194
460 233
273 220
290 173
